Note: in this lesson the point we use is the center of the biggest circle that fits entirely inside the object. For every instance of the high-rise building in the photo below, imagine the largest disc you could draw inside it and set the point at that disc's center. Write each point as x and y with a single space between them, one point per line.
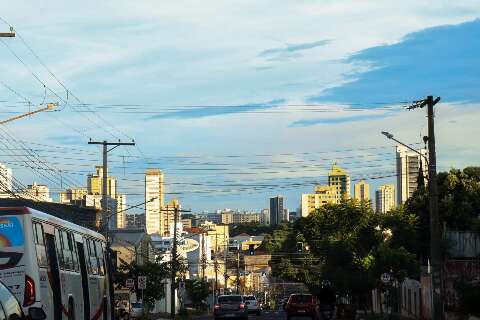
276 210
323 195
167 216
5 181
38 192
95 182
339 178
286 215
73 194
385 198
362 191
121 215
408 167
153 208
265 217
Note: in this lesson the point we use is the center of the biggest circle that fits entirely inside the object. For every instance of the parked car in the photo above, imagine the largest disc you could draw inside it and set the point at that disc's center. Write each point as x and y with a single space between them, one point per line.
301 305
10 307
253 305
136 310
230 306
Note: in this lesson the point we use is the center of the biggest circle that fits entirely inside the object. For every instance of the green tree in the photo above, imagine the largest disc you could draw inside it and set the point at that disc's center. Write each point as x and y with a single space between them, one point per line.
156 272
197 290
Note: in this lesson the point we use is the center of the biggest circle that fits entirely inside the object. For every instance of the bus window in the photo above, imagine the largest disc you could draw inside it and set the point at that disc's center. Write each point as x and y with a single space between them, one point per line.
67 254
92 257
73 249
58 244
40 245
100 259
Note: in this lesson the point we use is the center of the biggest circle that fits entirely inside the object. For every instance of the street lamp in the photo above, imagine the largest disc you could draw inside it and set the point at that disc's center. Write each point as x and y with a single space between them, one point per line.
390 136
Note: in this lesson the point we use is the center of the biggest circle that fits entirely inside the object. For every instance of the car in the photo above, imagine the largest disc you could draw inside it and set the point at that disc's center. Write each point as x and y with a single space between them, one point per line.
301 305
10 307
253 305
229 307
136 310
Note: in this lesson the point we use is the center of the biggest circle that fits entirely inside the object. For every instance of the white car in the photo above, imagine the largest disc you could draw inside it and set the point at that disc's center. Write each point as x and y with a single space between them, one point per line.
136 310
252 305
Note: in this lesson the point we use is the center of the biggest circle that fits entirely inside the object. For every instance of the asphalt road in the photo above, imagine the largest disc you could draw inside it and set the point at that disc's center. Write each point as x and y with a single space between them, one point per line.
266 315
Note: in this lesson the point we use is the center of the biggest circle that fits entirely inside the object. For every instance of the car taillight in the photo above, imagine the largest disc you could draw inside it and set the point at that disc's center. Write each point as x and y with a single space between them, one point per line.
216 307
242 306
29 293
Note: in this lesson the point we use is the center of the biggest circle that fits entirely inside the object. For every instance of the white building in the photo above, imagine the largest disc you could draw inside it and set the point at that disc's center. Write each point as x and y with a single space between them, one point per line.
265 217
38 192
385 198
408 166
5 181
153 208
120 207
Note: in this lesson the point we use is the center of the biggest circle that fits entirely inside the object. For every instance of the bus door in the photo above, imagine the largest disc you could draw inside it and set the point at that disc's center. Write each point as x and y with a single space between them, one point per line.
83 271
54 276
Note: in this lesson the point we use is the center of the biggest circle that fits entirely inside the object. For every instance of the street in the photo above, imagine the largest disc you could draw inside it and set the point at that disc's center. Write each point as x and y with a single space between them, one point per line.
266 315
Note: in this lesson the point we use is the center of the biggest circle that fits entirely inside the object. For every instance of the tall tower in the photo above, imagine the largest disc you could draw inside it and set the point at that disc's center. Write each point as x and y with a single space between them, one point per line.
385 198
340 179
153 208
362 191
408 166
95 181
276 210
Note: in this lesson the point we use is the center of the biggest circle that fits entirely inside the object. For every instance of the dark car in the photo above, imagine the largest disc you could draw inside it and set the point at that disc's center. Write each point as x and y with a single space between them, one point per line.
231 306
301 305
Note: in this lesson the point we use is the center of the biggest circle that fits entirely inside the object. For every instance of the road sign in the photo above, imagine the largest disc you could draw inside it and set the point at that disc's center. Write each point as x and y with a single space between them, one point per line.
130 283
386 278
142 282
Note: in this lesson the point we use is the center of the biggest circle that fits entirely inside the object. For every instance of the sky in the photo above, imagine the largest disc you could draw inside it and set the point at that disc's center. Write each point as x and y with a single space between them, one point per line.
235 101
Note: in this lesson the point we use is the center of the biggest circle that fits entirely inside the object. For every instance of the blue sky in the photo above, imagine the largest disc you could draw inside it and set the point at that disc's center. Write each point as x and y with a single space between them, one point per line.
242 101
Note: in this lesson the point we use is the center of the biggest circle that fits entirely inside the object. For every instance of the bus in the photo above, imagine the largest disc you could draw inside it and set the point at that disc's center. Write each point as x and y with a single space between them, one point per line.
56 269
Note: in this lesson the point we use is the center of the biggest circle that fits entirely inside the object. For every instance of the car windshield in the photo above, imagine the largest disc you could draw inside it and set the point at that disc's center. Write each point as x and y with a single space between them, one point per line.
230 299
301 298
249 298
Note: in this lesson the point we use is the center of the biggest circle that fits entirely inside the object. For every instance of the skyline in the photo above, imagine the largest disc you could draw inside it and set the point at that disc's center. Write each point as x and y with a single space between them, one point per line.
239 106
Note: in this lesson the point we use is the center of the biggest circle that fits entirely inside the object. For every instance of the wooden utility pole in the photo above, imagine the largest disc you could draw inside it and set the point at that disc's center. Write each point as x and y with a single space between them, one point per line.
436 260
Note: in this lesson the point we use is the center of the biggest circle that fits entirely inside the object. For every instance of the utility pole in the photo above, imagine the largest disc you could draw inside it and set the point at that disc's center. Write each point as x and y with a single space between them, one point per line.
435 232
238 268
104 223
173 276
215 265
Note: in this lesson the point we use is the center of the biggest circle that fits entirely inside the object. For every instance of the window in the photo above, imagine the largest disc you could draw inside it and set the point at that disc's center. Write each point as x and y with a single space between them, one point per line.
73 247
11 307
40 245
99 250
58 245
67 253
92 257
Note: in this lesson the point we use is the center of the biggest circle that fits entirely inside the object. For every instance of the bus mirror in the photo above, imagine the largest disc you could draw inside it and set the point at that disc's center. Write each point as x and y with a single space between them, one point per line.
36 314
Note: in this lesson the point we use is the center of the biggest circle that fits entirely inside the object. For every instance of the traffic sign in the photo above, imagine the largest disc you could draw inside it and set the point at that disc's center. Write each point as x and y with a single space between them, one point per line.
142 282
130 283
386 278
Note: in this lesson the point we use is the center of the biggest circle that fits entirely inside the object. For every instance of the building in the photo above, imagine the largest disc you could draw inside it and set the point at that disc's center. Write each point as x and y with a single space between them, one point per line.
292 216
265 217
408 167
226 217
95 182
219 235
135 221
323 195
246 217
186 223
73 194
5 181
154 198
362 191
131 245
276 210
121 215
339 178
285 215
167 216
37 192
385 198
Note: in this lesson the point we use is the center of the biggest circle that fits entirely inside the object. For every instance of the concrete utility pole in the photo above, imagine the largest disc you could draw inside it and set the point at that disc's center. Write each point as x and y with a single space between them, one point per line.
435 232
174 263
104 224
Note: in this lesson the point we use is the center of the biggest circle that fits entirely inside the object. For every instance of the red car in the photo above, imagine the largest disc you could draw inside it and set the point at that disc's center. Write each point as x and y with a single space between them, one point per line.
301 305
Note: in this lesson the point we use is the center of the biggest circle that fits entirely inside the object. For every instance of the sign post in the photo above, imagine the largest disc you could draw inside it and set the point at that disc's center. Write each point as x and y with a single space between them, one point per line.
142 284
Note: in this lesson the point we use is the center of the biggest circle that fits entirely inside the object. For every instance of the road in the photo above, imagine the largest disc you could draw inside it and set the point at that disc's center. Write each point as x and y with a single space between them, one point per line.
266 315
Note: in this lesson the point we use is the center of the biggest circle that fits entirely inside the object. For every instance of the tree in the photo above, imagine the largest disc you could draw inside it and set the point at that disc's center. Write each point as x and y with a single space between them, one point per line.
197 290
156 272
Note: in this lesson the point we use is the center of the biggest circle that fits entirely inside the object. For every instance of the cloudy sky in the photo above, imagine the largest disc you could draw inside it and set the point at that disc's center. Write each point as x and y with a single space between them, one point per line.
236 101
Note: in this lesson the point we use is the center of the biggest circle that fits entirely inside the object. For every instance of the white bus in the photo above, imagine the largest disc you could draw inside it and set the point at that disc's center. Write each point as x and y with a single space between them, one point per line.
56 269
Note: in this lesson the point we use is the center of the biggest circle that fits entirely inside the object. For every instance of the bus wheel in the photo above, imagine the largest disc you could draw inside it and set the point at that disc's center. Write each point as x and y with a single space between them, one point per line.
71 310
